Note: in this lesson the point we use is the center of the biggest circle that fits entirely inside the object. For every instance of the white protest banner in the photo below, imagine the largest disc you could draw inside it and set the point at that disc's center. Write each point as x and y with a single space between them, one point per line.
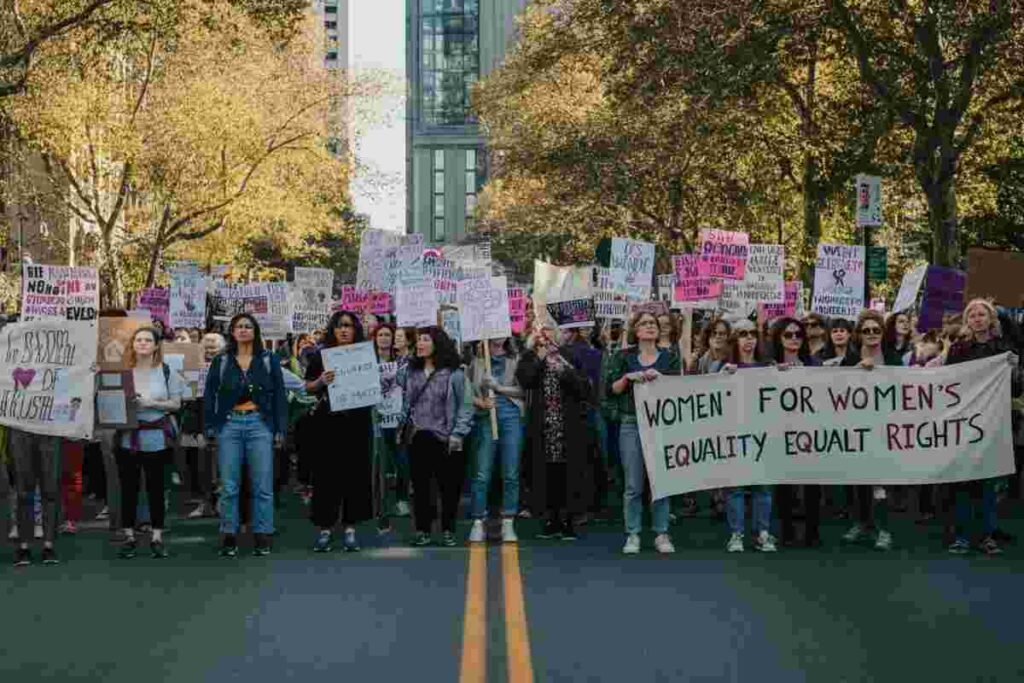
59 292
356 376
840 426
440 273
188 300
725 253
311 298
869 200
839 281
909 288
276 323
631 267
474 255
607 304
483 308
416 306
390 406
47 383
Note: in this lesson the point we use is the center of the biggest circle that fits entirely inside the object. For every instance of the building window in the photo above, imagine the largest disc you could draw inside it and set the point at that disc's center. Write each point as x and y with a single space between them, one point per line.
438 229
450 60
330 9
474 181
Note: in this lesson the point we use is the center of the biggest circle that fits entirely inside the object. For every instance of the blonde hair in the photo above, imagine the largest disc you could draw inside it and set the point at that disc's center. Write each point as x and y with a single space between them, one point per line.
993 316
131 360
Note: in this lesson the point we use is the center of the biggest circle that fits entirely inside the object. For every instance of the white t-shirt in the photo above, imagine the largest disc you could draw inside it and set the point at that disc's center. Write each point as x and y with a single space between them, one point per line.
150 384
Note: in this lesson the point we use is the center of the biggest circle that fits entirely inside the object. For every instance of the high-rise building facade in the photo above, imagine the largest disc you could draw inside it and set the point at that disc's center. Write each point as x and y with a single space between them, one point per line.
450 45
337 55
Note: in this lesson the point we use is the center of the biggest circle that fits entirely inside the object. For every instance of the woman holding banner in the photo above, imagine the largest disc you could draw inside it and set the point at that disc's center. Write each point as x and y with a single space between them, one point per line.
746 354
342 479
147 449
984 338
497 390
246 411
644 362
557 392
871 501
436 418
790 348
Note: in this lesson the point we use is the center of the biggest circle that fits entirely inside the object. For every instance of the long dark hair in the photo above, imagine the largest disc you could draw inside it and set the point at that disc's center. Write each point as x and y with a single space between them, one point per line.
778 353
330 340
445 355
376 350
257 337
829 351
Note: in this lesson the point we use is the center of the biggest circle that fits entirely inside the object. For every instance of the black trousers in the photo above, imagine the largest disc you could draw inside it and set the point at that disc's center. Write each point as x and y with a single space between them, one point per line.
130 465
785 496
557 485
432 464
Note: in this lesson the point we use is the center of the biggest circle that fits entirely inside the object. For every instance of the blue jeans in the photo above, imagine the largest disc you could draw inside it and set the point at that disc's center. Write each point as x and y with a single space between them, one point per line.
735 509
635 472
964 506
509 446
246 438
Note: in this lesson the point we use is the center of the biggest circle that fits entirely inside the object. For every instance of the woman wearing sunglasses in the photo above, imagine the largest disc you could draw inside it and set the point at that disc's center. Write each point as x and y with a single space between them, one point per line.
871 501
746 354
790 348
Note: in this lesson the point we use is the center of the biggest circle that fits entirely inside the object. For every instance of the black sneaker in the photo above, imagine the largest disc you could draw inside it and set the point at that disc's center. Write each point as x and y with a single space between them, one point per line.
229 548
990 547
448 539
552 529
22 557
156 548
1001 536
50 556
262 548
128 549
568 532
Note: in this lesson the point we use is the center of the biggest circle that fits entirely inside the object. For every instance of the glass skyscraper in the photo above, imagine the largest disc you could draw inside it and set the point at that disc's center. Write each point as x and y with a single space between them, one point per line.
451 44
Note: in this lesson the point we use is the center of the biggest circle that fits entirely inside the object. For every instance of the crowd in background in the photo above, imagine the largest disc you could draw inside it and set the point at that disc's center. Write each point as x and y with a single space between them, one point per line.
549 431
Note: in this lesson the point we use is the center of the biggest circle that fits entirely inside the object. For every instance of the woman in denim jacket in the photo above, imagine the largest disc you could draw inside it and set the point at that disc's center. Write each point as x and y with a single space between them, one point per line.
246 411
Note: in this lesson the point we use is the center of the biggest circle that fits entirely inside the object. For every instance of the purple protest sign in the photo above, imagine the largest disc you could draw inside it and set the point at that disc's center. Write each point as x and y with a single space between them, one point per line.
725 253
157 301
575 313
943 293
693 279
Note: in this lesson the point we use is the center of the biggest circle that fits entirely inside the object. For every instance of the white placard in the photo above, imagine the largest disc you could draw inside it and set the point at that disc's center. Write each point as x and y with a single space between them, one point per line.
632 268
188 300
416 306
869 200
839 281
356 376
61 292
483 307
311 298
909 288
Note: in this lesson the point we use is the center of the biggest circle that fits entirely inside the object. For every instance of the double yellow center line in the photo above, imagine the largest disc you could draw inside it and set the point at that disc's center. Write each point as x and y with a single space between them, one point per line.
474 634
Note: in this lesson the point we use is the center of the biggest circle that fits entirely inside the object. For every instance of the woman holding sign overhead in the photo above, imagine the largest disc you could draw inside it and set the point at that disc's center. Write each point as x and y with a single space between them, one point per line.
246 411
342 481
642 363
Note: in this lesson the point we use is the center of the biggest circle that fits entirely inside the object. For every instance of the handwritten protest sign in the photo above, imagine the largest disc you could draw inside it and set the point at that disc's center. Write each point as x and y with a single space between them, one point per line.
607 304
390 406
839 281
725 253
157 301
440 273
694 284
869 200
909 288
356 376
943 294
573 314
357 301
517 310
416 306
276 323
790 308
483 307
60 292
311 298
47 385
229 300
383 261
632 267
451 323
892 425
187 305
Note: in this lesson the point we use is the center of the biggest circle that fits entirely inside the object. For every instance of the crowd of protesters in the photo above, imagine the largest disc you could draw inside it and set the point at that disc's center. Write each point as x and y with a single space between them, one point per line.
549 420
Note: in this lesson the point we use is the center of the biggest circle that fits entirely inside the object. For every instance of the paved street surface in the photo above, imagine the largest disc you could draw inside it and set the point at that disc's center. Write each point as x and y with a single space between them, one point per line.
549 611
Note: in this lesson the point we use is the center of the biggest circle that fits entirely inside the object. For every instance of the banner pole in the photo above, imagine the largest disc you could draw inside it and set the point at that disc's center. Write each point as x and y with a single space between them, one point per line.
686 338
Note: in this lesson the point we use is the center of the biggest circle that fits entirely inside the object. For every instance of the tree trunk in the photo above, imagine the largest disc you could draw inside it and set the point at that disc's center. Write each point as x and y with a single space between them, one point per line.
154 262
942 219
812 219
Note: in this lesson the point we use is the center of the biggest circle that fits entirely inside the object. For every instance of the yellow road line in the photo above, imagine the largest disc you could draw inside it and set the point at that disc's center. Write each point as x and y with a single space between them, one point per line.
517 634
473 668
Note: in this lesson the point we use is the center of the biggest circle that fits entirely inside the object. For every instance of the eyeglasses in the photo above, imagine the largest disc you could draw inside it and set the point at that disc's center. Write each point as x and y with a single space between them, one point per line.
746 334
871 330
792 335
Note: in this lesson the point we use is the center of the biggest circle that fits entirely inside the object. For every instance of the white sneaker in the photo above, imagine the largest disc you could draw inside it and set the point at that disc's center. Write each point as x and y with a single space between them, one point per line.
508 530
401 509
38 533
735 543
632 546
175 478
855 533
765 543
13 533
200 511
103 514
663 544
884 541
477 534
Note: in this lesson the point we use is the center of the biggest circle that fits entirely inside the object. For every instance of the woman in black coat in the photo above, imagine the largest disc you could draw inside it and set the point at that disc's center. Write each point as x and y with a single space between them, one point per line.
557 392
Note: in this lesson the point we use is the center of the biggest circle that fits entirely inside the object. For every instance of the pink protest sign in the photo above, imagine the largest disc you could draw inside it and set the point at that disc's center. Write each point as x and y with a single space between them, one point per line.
517 310
157 301
359 301
725 253
784 310
693 279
